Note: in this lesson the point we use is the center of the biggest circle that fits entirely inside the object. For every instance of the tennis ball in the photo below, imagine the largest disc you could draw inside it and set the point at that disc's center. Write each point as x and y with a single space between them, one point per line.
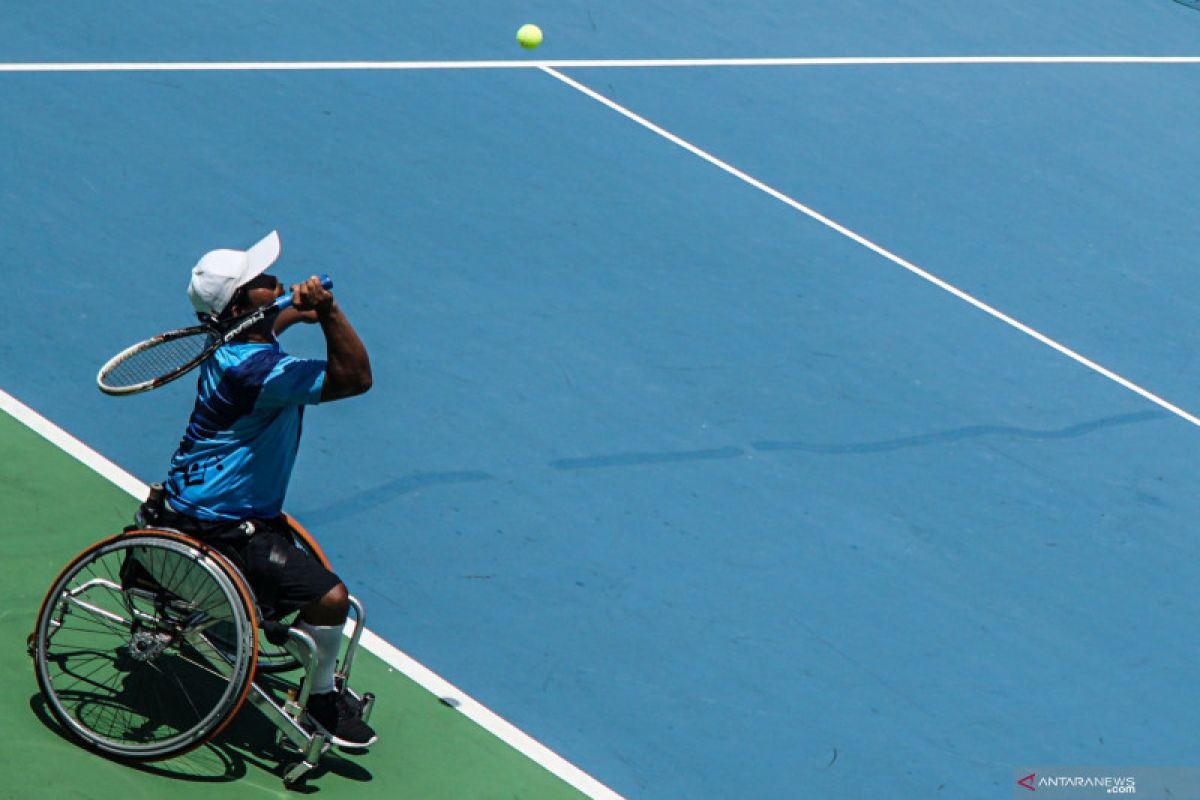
529 36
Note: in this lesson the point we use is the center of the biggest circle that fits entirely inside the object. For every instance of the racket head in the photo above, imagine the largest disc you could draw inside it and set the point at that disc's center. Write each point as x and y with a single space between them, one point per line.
163 358
156 361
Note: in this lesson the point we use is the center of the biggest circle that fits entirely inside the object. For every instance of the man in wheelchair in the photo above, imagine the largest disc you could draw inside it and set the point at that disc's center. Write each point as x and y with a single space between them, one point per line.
227 479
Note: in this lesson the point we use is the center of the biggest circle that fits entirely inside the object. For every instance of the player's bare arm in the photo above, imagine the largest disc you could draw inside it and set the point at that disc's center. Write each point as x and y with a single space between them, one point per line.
347 367
290 316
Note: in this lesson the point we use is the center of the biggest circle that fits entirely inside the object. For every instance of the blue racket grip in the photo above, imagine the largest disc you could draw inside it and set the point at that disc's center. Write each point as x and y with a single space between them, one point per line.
286 300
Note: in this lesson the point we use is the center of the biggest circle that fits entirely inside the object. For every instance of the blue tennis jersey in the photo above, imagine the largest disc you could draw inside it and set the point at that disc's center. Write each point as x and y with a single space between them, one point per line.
236 457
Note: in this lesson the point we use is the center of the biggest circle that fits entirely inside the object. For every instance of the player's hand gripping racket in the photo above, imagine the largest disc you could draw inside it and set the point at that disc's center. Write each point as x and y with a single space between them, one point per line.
163 358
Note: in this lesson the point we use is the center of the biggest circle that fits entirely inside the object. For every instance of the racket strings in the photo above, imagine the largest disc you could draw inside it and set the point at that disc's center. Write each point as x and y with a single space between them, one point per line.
158 360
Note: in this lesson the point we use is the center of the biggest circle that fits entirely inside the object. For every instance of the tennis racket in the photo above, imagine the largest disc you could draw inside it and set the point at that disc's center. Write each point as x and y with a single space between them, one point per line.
163 358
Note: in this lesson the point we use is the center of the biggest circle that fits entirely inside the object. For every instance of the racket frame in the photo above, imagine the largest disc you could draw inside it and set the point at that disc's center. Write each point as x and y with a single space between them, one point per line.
219 335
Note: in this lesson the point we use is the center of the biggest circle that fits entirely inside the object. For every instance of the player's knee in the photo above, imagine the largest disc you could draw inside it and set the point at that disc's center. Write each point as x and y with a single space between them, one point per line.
337 600
329 609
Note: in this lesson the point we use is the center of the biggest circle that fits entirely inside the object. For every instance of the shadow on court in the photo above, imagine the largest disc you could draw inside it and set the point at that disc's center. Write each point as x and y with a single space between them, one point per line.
248 743
921 440
960 434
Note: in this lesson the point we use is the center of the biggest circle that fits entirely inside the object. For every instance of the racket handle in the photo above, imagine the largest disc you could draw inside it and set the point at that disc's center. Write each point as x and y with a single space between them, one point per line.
286 300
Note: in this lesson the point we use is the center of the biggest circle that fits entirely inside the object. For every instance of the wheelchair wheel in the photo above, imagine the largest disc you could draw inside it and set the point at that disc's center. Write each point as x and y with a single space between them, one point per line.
122 650
274 658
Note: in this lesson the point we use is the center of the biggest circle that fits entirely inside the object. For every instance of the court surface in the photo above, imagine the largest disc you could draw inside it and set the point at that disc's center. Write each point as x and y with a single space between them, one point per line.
707 496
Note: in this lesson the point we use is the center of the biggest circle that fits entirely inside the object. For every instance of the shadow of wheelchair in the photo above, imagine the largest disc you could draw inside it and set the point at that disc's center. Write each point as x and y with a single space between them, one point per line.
248 742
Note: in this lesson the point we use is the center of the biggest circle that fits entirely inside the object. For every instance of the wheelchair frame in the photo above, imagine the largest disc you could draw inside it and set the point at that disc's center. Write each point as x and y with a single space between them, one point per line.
159 621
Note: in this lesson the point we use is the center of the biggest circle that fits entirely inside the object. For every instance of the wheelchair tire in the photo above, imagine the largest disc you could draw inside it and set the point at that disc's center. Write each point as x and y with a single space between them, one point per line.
121 649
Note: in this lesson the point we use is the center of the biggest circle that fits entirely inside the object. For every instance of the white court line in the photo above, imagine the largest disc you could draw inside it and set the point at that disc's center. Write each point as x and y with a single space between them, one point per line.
890 256
854 61
391 655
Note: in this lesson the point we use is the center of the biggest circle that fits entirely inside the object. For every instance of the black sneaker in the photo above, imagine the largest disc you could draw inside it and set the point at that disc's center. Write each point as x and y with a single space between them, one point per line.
353 703
333 714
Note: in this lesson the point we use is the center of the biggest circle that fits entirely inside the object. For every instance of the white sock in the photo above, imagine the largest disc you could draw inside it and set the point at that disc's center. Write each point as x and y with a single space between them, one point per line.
329 641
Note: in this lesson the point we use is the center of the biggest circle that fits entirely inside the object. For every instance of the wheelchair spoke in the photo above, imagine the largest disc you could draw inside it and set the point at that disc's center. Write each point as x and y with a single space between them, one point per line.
202 666
99 617
84 677
122 650
183 691
91 627
113 572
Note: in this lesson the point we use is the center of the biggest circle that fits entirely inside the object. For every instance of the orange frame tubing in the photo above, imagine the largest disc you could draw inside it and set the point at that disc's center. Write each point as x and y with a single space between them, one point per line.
308 540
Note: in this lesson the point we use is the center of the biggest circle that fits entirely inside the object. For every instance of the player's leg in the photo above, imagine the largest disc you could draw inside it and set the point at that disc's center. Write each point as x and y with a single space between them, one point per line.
330 608
286 578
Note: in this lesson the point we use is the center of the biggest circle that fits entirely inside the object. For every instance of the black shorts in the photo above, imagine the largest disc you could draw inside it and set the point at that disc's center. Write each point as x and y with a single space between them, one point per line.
282 576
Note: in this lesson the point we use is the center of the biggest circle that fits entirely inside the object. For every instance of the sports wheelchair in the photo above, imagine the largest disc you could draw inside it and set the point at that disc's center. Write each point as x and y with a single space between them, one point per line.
149 642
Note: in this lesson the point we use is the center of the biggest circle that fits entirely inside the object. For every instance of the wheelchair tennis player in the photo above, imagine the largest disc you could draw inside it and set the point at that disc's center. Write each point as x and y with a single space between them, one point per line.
227 480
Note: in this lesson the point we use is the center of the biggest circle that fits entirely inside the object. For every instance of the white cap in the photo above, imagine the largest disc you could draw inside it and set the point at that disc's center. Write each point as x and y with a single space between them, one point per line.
219 273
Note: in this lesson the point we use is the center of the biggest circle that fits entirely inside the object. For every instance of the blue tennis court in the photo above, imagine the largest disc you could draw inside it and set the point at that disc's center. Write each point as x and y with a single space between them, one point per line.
706 496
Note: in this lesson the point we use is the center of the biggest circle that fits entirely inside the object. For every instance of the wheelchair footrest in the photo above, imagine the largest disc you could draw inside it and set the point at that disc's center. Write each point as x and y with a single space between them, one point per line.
368 703
294 773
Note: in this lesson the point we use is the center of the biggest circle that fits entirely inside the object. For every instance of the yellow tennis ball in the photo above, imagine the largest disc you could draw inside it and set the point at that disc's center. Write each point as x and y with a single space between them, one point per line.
529 36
